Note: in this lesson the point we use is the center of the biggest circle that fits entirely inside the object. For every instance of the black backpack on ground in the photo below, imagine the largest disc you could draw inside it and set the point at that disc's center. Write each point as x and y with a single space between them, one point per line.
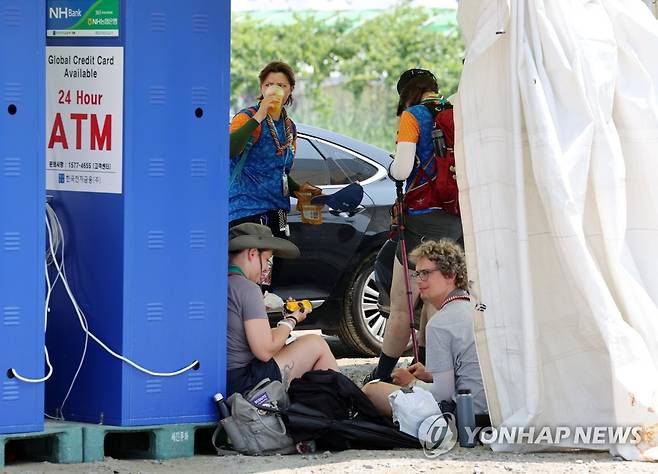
329 408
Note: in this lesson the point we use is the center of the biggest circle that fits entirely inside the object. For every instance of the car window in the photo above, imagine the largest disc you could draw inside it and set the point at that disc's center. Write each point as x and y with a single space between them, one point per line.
344 167
309 165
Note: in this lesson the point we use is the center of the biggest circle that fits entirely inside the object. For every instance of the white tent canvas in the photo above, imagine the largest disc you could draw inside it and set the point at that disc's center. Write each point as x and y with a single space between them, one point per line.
557 161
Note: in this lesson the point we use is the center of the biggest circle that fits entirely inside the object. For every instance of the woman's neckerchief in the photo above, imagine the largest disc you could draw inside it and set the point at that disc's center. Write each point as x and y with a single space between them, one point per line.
287 124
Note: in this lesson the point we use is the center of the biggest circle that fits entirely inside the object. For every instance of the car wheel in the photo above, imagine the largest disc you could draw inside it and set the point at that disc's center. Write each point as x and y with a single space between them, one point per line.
362 326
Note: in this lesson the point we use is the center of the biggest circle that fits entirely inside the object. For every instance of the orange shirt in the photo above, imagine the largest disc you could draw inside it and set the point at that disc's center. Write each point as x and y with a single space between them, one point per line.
408 130
240 119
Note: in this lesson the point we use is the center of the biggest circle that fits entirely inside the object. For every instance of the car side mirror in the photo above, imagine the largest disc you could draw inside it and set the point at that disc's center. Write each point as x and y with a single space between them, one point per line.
357 210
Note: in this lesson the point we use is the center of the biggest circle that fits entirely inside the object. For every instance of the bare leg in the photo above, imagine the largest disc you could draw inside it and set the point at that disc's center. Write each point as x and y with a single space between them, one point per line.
378 393
309 352
396 336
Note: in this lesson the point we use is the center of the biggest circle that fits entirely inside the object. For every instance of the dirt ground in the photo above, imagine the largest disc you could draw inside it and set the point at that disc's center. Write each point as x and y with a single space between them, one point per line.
459 460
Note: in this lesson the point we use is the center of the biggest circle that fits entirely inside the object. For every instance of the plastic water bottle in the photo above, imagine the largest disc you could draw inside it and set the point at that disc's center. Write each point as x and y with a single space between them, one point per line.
465 418
439 142
222 407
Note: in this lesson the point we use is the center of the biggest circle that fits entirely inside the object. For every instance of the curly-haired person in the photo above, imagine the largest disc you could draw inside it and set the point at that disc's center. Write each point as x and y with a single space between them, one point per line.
452 360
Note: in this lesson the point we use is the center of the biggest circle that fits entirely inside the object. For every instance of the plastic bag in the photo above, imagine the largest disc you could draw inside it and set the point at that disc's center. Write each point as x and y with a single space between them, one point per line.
273 302
412 406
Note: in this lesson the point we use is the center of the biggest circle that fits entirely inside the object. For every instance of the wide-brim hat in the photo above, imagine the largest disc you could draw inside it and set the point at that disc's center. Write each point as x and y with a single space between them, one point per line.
256 236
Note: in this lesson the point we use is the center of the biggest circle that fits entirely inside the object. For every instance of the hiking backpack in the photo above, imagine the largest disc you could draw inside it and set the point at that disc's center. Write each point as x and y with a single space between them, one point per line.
439 190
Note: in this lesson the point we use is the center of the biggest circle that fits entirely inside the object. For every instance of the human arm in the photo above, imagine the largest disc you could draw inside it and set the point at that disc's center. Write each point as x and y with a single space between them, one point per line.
405 150
443 386
293 185
242 127
266 342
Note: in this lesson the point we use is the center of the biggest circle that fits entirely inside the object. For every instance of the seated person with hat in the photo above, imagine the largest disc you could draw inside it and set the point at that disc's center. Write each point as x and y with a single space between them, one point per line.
256 351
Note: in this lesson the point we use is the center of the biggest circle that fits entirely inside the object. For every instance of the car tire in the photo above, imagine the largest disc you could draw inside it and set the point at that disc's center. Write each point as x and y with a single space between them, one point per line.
362 324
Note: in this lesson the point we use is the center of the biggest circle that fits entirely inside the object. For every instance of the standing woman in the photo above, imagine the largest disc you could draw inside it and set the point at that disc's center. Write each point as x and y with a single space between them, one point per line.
263 142
419 99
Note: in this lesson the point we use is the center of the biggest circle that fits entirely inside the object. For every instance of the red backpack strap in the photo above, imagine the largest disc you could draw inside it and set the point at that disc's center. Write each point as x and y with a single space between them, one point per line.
421 173
444 120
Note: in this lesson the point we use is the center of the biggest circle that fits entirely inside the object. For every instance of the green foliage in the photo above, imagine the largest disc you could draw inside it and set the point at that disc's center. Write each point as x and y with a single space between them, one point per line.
346 70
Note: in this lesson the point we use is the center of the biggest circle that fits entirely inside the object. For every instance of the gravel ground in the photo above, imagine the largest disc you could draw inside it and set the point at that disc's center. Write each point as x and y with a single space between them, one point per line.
459 460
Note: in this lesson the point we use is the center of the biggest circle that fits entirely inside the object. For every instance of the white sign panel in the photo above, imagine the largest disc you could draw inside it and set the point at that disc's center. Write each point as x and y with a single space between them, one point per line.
84 119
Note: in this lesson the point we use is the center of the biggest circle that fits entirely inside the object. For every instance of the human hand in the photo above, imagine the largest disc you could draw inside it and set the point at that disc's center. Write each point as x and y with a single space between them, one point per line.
266 104
310 188
300 314
402 377
418 371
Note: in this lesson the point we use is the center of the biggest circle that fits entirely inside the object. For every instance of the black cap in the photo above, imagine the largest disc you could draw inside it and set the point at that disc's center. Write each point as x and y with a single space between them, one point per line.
411 74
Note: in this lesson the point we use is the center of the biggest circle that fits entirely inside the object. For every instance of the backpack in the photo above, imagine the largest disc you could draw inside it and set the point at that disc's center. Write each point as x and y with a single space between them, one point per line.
441 189
327 407
251 427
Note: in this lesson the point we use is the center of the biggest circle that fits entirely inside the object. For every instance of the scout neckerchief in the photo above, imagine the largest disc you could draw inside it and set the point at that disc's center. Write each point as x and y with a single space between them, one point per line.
275 135
235 270
281 148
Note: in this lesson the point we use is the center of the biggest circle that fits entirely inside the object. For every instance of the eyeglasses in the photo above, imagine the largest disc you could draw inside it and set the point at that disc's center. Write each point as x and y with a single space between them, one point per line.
423 275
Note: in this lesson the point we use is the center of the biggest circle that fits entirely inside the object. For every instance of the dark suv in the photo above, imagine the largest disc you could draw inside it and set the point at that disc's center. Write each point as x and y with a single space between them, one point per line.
335 269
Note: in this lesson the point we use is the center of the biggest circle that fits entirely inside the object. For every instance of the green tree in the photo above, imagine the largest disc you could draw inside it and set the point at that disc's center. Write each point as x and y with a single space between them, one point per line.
306 44
346 70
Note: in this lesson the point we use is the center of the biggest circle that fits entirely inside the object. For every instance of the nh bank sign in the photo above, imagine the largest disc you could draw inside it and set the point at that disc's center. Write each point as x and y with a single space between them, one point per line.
59 13
79 18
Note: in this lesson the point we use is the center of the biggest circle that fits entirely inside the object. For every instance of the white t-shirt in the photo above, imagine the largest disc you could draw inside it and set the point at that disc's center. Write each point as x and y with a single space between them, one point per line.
450 340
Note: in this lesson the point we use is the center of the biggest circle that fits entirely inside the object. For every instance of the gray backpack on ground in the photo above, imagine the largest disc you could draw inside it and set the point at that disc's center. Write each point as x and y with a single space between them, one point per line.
254 431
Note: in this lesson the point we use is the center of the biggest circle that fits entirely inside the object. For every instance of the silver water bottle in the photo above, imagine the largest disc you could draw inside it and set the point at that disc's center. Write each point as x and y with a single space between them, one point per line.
222 408
465 418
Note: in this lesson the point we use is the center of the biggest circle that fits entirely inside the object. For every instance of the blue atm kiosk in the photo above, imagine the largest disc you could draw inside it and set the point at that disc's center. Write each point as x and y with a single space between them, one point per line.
136 154
22 240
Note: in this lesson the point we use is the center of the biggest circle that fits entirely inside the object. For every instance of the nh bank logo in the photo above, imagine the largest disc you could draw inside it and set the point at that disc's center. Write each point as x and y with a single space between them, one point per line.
62 12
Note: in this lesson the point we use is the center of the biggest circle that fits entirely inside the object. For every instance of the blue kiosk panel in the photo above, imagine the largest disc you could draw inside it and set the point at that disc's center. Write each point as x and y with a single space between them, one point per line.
22 238
148 265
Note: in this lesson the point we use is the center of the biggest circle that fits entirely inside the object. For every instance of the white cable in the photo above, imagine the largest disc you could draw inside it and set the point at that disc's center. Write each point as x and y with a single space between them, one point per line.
60 231
56 235
42 379
45 324
98 341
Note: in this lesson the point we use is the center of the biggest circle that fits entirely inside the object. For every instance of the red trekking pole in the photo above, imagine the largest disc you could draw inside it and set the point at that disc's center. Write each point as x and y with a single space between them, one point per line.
405 265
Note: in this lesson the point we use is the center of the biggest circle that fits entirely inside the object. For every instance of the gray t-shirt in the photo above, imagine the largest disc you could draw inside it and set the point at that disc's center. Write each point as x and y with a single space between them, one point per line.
450 340
245 302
